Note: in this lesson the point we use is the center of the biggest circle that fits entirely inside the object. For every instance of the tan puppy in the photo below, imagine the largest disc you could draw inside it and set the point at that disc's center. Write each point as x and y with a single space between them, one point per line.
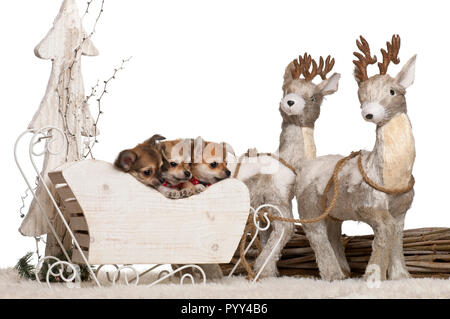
210 164
143 162
176 169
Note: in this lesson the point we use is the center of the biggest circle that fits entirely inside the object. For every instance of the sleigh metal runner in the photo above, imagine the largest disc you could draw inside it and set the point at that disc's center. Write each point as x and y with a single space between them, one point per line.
106 229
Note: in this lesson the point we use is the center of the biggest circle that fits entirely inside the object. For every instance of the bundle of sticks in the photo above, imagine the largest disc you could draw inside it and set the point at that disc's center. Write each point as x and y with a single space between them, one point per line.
426 250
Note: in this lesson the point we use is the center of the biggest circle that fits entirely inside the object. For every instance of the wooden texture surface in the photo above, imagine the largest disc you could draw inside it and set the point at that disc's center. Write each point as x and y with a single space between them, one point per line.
129 222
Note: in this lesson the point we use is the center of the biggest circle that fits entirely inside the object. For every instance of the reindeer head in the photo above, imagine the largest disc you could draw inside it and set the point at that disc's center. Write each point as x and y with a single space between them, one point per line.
301 97
381 96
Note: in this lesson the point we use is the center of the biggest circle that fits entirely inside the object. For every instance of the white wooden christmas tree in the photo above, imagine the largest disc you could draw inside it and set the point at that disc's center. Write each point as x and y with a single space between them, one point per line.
64 106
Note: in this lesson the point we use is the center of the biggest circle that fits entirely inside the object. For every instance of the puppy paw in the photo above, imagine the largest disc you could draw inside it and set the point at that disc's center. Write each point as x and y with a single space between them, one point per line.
186 192
199 188
173 194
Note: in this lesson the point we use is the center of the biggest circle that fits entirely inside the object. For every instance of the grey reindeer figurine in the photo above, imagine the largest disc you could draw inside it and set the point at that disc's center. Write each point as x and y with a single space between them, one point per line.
299 109
382 197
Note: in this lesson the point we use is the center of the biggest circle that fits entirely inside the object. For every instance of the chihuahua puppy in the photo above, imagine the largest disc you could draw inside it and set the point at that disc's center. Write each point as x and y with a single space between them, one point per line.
210 165
143 162
175 170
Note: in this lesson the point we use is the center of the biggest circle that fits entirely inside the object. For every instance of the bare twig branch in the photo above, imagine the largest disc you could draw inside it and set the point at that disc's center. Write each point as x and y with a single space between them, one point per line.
99 104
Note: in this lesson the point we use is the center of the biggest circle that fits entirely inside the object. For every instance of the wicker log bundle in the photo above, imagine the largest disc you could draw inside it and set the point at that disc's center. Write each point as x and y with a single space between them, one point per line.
426 250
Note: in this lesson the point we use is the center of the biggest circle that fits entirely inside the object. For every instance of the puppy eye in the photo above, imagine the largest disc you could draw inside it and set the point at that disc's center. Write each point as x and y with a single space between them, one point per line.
148 172
213 164
173 164
392 92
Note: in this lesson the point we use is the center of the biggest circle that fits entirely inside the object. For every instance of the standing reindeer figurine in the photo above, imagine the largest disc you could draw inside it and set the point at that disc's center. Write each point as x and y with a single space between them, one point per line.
374 187
270 182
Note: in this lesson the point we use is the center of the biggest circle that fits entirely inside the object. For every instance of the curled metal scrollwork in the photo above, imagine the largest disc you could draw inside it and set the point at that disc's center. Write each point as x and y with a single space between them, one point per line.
63 270
260 228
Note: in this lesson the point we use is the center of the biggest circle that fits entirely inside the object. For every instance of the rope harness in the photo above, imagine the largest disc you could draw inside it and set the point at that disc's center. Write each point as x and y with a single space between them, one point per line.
333 182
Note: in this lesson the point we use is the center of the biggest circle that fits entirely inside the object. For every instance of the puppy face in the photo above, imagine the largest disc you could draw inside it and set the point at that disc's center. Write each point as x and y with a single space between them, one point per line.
176 159
143 162
209 162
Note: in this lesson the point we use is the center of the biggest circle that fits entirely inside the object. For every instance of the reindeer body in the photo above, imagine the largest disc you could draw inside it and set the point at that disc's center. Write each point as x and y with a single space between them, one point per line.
268 180
357 201
277 189
389 164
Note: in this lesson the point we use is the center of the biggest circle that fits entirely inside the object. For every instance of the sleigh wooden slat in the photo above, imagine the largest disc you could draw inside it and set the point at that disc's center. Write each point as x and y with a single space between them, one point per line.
64 192
78 223
76 256
121 221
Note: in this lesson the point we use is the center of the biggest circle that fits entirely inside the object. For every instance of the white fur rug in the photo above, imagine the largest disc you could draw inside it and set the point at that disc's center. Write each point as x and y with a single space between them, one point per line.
237 288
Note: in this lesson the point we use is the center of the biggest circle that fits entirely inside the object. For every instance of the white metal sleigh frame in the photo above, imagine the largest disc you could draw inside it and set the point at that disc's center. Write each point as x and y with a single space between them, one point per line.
205 228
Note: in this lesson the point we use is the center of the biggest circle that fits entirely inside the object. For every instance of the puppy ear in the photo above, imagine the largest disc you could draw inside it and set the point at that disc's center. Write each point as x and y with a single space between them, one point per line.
227 149
125 160
162 148
152 140
198 150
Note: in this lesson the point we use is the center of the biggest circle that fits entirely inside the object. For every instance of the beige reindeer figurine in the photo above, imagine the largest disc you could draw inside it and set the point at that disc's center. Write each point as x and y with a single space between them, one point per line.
374 187
271 182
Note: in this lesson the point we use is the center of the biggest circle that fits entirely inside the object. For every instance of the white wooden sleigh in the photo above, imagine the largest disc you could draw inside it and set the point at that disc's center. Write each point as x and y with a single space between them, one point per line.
112 219
118 220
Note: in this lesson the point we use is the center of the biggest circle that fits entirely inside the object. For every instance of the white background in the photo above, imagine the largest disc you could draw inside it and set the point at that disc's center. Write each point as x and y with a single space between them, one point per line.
215 69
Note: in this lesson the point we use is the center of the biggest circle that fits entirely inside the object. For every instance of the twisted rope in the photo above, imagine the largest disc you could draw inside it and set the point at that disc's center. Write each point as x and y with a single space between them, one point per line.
382 188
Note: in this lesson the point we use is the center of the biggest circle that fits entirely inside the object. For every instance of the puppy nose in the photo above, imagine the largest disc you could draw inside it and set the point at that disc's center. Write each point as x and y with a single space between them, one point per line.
369 116
290 103
228 173
187 173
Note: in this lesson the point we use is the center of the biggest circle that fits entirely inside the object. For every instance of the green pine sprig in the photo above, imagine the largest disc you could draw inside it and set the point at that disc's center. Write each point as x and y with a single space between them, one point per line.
27 270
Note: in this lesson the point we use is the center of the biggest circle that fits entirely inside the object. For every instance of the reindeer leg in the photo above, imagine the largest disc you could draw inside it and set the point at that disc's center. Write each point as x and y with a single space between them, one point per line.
383 225
334 228
271 247
329 266
397 267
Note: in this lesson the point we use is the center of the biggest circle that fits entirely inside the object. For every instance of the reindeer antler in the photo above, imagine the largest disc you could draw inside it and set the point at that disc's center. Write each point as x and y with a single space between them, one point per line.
307 60
297 71
329 64
364 61
391 55
302 66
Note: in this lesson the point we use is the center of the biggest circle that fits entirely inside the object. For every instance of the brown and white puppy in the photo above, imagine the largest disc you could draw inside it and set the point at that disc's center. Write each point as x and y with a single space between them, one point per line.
176 168
210 165
143 162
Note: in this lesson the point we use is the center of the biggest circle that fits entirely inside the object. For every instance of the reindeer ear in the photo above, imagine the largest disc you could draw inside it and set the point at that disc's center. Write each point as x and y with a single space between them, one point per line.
125 160
152 140
357 76
288 75
329 86
406 76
